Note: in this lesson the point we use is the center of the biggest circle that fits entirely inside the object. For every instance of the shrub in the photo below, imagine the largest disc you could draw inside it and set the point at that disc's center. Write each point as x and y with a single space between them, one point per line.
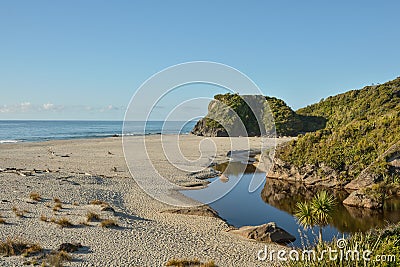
35 196
57 207
19 213
108 223
189 263
91 216
56 259
98 202
15 247
379 242
64 222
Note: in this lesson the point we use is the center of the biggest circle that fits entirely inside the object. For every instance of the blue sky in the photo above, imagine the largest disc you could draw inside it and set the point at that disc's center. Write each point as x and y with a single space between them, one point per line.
85 59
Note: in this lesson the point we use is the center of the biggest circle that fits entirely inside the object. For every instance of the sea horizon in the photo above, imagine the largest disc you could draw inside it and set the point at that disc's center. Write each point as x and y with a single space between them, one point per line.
18 131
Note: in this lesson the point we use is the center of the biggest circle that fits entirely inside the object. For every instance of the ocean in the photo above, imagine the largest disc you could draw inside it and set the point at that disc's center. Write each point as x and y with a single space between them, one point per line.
36 131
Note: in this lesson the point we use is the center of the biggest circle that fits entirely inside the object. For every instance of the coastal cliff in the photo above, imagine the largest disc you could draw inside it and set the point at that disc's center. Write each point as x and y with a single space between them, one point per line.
350 140
260 115
359 145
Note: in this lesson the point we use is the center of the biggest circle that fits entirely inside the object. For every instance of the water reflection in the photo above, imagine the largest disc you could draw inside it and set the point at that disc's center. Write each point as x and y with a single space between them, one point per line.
276 200
284 195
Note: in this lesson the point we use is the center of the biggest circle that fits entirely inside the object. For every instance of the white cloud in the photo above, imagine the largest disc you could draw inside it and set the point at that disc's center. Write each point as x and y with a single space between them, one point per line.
28 107
110 108
25 106
48 106
4 109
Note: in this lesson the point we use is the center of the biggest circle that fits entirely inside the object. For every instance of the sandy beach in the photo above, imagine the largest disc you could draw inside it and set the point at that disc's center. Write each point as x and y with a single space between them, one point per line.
79 171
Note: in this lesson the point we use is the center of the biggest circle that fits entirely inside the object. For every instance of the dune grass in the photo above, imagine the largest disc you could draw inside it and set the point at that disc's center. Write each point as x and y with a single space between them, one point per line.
63 222
108 223
35 196
15 247
190 263
57 259
91 216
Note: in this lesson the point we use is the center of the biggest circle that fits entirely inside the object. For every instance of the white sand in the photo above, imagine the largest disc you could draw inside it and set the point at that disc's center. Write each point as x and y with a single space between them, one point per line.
96 169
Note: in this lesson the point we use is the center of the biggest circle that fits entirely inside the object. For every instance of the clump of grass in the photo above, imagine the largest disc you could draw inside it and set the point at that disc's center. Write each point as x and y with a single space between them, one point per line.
63 222
75 203
2 221
98 202
32 262
53 220
15 247
56 200
91 216
57 207
188 262
107 223
104 205
43 218
57 259
35 196
83 222
378 241
19 213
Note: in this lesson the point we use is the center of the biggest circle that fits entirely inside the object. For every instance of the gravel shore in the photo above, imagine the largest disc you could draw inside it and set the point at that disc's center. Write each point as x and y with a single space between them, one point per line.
77 172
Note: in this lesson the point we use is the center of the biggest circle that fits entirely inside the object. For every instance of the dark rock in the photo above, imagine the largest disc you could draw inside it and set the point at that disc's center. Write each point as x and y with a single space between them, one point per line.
268 232
205 211
201 129
70 247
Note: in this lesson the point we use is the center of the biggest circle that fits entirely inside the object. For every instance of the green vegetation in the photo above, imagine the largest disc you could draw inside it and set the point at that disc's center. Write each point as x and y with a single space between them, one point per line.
226 110
289 123
316 212
362 130
384 246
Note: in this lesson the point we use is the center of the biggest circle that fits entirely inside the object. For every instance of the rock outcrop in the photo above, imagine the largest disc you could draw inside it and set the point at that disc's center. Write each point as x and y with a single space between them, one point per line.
205 211
309 175
202 129
268 232
361 199
364 179
253 115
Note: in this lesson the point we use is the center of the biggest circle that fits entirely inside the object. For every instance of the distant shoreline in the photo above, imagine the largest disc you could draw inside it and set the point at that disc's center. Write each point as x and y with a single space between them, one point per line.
22 131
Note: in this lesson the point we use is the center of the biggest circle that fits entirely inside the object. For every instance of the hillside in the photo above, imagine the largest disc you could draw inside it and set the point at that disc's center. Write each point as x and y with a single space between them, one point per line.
222 119
362 133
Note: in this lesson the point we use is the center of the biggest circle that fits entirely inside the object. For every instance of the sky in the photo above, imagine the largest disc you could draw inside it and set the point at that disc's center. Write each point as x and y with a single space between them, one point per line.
84 60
